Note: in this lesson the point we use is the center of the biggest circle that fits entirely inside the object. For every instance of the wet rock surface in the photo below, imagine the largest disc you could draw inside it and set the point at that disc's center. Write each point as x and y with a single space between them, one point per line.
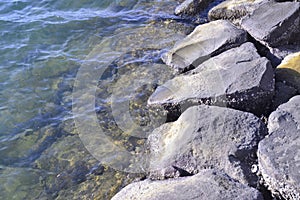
191 7
208 184
206 137
205 41
274 24
238 78
278 153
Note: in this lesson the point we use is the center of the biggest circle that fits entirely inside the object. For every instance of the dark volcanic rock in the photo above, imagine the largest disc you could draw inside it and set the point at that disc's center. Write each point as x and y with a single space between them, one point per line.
275 24
208 184
283 93
237 78
207 137
279 153
205 41
191 7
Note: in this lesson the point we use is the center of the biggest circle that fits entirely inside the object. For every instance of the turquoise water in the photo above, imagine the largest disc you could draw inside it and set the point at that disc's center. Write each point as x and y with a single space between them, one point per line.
44 45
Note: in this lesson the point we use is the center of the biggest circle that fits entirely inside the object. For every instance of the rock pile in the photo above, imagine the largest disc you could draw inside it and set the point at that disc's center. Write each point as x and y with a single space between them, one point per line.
210 151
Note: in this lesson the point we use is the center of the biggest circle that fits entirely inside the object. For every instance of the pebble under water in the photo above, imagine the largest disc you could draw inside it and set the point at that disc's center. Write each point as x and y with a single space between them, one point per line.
75 77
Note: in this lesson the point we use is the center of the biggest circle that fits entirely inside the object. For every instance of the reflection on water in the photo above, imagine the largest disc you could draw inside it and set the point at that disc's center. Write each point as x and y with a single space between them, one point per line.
44 44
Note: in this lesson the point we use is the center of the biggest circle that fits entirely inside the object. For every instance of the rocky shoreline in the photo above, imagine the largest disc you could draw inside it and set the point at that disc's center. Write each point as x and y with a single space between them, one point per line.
236 102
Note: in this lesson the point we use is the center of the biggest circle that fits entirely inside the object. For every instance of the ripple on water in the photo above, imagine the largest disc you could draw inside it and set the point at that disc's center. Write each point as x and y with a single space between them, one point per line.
44 44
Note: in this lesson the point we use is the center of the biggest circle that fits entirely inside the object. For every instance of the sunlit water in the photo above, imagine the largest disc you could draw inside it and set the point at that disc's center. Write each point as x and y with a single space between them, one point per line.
44 45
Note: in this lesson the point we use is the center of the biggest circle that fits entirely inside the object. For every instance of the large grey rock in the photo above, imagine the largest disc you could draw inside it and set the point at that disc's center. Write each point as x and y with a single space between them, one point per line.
279 153
208 184
191 7
233 10
207 137
274 24
237 78
205 41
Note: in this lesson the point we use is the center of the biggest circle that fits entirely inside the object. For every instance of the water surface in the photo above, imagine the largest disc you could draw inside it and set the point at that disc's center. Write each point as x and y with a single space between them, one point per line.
43 46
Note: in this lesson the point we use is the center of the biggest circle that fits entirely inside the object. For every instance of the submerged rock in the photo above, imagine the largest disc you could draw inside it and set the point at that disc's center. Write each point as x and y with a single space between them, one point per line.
289 71
208 184
279 152
233 10
238 78
206 137
205 41
191 7
275 24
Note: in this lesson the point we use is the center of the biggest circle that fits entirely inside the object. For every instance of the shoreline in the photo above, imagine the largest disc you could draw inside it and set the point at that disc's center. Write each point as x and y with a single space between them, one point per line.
233 107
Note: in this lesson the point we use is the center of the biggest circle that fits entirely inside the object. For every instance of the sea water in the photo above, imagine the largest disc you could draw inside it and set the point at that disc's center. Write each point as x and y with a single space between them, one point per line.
52 53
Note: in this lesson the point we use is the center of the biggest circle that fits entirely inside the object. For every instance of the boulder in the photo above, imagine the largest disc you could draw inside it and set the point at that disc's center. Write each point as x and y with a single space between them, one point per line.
233 10
289 71
205 41
191 7
274 24
207 137
283 93
208 184
238 78
279 152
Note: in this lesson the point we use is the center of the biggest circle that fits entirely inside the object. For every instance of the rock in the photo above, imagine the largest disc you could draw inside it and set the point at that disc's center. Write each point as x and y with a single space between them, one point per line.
283 93
274 24
191 7
279 152
205 41
289 71
208 184
233 10
206 137
238 78
283 51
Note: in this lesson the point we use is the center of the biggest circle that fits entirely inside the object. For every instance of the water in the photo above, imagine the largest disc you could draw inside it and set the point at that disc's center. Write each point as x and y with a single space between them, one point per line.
45 48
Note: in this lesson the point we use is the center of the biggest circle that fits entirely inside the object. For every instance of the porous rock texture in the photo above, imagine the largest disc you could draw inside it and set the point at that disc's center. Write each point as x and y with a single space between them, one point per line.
207 137
279 152
233 10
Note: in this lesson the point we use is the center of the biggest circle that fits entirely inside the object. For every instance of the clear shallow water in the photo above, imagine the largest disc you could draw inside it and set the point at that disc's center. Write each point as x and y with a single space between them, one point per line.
43 46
